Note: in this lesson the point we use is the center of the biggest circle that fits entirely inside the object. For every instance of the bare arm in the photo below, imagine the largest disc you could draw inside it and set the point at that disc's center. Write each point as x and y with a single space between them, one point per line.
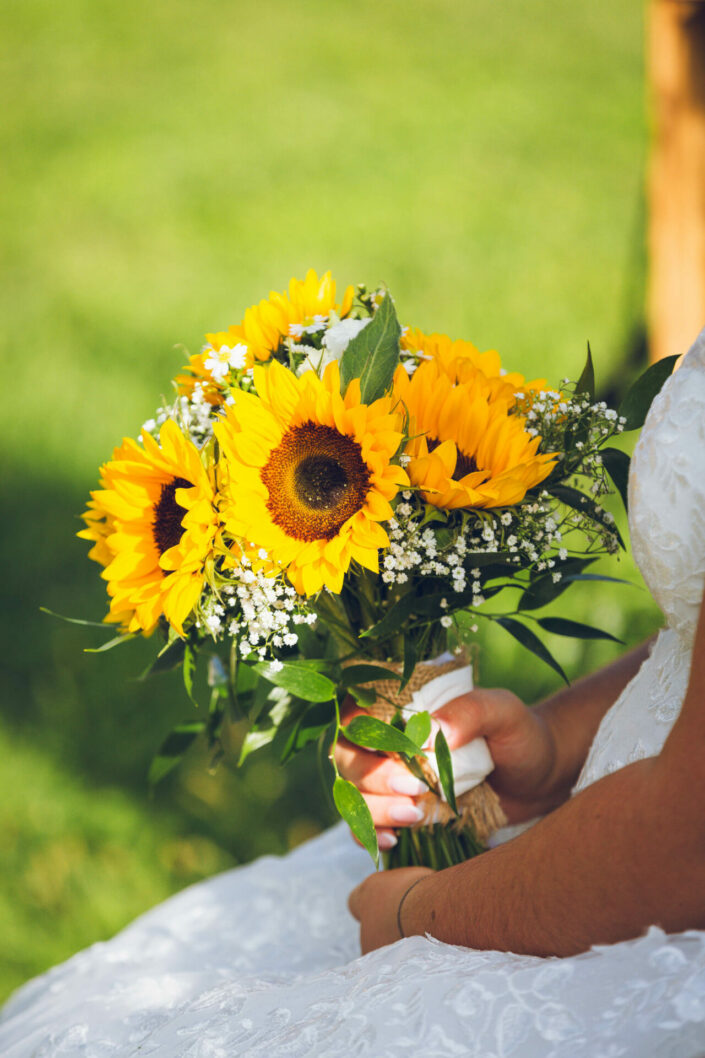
627 852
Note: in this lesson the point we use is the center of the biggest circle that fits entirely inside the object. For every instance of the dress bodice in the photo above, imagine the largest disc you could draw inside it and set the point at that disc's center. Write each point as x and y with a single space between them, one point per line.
667 527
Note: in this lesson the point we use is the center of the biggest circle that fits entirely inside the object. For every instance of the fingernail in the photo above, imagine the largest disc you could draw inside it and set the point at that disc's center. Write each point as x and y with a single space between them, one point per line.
436 726
386 840
405 814
407 784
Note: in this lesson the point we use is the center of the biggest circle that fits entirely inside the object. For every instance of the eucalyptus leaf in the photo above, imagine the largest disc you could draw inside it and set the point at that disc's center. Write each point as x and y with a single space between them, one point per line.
418 727
172 750
445 770
635 406
373 354
617 464
264 731
562 626
371 733
308 728
364 696
586 382
300 680
353 808
586 505
532 642
78 620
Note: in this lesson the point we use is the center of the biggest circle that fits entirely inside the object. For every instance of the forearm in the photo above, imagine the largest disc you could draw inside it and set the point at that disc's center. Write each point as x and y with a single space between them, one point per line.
621 855
573 715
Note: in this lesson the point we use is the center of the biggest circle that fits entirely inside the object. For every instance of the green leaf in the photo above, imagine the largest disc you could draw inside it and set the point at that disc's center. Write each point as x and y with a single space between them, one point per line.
445 770
418 727
543 590
599 576
410 655
635 406
189 669
172 750
373 354
169 657
78 621
353 808
364 697
300 680
586 505
617 464
308 728
586 382
110 644
354 674
371 733
264 732
561 626
532 642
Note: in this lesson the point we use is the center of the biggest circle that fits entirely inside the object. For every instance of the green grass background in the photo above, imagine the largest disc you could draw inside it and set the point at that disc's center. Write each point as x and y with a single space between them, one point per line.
164 166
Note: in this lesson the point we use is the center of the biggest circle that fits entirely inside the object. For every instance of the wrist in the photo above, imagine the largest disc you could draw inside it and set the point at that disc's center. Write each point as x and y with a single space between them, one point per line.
415 912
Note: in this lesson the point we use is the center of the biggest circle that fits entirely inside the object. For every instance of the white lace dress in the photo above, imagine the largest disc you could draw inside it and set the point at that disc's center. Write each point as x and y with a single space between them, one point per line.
263 960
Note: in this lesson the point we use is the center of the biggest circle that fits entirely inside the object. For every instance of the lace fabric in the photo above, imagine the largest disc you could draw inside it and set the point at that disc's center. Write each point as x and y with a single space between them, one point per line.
263 960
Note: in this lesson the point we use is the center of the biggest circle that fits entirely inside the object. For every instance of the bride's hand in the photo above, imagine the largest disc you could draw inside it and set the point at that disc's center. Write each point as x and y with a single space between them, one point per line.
520 741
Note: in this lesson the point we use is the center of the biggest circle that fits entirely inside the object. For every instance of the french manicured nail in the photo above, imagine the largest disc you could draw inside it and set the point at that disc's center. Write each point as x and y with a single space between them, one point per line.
407 784
405 814
386 840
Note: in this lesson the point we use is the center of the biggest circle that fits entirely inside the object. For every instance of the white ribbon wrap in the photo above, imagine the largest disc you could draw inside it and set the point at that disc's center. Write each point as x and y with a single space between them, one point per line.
472 762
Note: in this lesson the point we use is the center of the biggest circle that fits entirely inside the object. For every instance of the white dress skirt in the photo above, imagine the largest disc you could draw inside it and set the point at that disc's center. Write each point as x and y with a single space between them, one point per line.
264 960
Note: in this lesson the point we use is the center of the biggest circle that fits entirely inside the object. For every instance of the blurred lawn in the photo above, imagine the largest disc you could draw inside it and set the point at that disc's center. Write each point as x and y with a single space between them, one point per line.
164 165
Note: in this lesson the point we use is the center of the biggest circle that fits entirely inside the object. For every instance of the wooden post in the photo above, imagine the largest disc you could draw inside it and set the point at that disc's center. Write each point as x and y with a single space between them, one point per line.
676 285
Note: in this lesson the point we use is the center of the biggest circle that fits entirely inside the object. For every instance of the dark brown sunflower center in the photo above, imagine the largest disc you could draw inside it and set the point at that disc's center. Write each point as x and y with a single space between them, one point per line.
168 514
316 479
465 464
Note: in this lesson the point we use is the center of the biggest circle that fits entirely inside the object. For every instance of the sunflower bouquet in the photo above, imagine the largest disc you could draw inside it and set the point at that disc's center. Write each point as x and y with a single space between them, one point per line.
325 511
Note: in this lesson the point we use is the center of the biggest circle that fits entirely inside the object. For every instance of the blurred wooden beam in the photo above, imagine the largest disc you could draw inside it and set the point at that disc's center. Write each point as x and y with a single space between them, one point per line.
676 294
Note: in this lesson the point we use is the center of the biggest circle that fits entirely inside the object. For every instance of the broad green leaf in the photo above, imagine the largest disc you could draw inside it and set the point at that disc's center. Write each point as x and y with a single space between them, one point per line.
78 620
635 406
371 733
617 464
586 382
353 808
308 728
354 674
300 680
172 750
543 590
562 626
373 354
110 644
532 642
189 670
364 696
418 727
445 770
168 658
264 732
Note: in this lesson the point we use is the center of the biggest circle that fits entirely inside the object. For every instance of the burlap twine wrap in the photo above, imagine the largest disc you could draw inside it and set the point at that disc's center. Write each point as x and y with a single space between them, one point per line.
479 807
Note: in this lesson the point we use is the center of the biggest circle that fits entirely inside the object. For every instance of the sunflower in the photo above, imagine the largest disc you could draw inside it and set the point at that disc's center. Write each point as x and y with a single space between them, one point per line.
309 302
308 473
467 449
154 524
461 360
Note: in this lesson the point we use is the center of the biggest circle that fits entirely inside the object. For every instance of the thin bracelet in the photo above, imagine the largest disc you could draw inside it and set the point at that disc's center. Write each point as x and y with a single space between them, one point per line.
401 904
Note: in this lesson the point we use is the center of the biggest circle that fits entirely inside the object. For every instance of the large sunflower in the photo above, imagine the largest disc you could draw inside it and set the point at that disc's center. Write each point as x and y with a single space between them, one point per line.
307 303
461 360
308 473
467 449
154 524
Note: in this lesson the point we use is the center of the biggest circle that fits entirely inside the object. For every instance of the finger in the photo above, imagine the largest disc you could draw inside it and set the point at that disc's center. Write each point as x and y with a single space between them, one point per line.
482 712
374 774
390 812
